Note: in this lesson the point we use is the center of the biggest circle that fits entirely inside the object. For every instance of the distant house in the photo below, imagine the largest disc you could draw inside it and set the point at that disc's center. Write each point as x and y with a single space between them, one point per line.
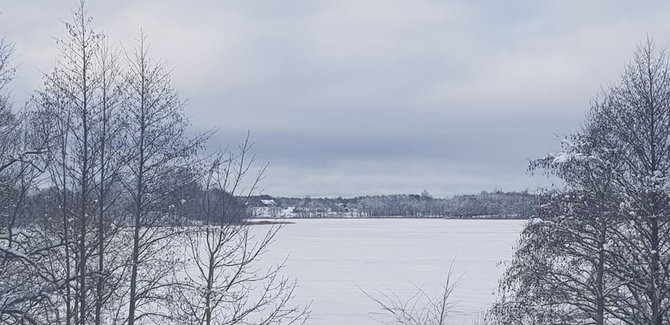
268 203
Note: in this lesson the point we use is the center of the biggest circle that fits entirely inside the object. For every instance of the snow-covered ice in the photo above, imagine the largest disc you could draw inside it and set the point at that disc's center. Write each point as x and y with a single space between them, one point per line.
333 258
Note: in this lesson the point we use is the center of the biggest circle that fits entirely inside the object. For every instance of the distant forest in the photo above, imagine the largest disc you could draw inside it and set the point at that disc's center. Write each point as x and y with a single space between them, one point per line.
497 204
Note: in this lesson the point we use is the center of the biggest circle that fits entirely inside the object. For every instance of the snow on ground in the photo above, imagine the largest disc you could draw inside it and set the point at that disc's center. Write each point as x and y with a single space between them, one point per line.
333 258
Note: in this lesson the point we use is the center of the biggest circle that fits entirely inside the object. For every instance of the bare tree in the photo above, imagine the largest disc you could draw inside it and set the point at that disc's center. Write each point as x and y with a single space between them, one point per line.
70 94
108 138
11 152
24 290
7 72
54 105
96 236
224 284
25 283
159 151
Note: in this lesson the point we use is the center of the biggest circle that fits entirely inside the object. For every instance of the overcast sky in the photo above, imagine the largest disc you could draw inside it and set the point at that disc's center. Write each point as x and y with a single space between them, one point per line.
354 97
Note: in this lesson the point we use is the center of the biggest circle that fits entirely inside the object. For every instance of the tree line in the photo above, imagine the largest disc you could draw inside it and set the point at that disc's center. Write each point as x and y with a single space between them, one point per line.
100 188
496 204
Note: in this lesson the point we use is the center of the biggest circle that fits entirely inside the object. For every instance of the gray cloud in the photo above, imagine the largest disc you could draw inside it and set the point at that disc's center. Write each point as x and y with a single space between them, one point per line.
356 97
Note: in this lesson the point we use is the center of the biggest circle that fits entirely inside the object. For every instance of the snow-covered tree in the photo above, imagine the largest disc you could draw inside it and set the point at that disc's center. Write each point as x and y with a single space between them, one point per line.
599 249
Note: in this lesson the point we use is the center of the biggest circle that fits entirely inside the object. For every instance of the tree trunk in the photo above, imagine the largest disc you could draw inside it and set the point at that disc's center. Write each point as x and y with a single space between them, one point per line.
138 205
600 274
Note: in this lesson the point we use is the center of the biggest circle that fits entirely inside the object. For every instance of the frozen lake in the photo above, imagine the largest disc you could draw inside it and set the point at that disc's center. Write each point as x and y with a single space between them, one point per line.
333 258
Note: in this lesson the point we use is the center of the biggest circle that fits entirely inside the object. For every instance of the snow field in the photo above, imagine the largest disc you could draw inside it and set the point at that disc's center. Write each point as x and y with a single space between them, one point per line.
334 259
